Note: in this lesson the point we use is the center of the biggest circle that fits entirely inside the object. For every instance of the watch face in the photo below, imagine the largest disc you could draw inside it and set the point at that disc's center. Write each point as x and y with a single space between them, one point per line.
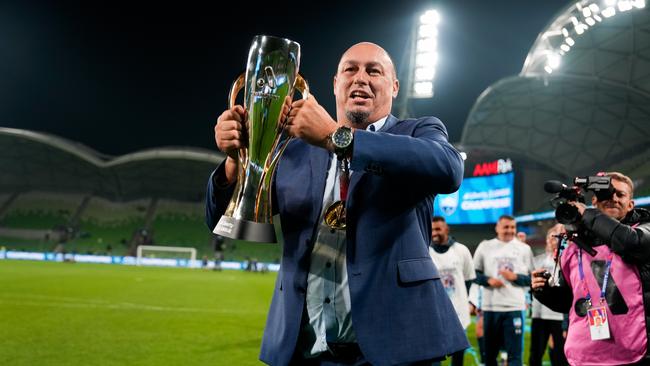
342 137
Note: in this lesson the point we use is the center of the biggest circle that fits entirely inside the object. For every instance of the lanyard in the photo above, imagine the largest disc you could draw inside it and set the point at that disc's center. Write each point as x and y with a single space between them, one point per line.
605 276
344 178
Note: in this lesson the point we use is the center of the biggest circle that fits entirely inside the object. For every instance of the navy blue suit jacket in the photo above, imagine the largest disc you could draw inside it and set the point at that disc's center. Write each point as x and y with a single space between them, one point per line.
400 310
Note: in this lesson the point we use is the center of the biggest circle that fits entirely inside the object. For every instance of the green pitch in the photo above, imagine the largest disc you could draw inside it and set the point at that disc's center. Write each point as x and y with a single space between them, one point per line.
87 314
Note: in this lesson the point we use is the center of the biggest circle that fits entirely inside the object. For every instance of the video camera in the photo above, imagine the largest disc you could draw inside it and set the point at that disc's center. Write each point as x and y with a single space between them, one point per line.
567 214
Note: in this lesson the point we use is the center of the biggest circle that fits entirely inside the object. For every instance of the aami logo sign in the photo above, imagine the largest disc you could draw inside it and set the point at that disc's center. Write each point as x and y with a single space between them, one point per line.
493 167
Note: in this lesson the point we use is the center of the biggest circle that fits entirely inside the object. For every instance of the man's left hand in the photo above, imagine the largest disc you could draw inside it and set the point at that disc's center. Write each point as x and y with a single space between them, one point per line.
579 205
309 121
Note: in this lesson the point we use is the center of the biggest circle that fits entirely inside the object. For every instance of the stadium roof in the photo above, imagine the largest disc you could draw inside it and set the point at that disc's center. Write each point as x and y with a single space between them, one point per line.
43 162
581 103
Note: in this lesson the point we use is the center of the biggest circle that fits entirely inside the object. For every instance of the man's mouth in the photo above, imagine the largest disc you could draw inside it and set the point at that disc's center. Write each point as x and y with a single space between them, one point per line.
360 95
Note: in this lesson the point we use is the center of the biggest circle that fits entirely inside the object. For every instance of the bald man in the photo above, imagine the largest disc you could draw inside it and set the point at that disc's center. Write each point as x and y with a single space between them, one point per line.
356 285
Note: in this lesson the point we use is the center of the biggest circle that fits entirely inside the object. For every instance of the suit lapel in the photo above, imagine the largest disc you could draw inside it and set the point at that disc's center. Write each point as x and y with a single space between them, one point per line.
356 176
320 160
391 121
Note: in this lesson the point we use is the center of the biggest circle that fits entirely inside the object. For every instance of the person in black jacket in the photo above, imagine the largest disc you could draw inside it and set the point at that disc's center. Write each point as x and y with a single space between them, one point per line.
625 230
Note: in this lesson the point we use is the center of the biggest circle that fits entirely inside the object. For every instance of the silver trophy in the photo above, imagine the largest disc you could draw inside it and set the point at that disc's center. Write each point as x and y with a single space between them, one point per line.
271 75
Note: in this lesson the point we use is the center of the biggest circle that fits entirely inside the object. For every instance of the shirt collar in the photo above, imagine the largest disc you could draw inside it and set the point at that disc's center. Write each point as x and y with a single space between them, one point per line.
376 126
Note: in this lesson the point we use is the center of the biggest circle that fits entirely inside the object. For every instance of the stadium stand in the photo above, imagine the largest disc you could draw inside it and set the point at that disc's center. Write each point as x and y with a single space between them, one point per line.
578 106
59 195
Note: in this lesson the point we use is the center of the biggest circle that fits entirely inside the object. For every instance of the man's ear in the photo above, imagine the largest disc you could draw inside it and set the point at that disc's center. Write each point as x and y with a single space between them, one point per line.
594 200
334 85
395 88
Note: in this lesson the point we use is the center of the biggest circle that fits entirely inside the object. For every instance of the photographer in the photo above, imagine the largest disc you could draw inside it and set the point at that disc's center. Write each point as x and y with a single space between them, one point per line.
605 327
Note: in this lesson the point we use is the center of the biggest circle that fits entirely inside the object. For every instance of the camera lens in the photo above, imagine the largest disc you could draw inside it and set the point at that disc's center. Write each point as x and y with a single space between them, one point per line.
567 214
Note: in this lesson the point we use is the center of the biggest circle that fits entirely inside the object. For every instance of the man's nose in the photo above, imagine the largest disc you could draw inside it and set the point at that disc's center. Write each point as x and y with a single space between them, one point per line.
360 78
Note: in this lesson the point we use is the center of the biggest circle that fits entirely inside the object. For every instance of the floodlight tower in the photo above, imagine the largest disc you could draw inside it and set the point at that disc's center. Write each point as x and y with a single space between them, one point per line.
422 60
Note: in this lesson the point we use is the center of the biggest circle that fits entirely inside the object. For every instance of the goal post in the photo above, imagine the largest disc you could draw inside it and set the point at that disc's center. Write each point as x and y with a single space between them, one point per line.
144 249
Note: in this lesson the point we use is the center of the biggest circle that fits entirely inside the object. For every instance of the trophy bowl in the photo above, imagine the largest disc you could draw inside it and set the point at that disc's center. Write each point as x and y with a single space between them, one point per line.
271 75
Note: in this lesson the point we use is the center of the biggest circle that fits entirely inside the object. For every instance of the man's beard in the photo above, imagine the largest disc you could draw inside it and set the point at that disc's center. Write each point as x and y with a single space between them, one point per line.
357 117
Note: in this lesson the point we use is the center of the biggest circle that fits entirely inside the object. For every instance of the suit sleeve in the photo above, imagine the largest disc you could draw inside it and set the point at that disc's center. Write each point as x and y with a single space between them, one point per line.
217 196
425 158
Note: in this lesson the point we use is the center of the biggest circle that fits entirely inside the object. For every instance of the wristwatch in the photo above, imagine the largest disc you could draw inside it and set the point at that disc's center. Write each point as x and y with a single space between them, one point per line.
342 140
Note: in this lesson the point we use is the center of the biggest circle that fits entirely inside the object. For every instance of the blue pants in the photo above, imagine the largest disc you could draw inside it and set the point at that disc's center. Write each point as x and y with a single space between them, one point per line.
503 330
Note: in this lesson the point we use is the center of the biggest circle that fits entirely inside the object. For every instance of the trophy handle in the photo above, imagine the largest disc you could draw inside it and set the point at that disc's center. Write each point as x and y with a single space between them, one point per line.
237 85
302 86
280 144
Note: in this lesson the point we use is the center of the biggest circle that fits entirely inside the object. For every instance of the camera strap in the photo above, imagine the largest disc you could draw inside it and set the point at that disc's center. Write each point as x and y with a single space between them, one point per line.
581 271
597 318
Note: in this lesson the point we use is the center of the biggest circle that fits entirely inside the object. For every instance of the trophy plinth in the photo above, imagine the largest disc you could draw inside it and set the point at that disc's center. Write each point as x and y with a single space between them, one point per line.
245 230
271 77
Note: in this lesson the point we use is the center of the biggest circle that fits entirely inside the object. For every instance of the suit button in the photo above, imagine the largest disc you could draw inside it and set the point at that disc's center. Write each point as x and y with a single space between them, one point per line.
327 300
328 264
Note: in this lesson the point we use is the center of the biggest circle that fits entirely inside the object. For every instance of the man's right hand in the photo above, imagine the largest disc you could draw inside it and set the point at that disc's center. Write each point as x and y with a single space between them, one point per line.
537 280
229 134
229 131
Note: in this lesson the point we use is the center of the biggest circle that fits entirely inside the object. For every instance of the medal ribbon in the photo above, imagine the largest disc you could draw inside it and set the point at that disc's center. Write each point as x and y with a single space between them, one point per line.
344 178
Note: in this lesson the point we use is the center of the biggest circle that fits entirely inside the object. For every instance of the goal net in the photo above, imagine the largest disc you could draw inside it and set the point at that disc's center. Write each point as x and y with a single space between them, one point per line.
165 255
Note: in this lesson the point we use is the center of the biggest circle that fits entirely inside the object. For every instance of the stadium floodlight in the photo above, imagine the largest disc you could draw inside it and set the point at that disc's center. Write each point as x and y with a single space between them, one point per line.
624 5
564 34
425 55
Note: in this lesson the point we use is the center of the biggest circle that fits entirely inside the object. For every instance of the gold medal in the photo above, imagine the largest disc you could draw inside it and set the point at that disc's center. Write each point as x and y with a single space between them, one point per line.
335 215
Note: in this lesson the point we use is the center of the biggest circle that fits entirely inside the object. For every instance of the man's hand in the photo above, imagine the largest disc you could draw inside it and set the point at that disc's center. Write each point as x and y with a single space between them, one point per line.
579 205
537 280
229 133
495 282
309 121
508 274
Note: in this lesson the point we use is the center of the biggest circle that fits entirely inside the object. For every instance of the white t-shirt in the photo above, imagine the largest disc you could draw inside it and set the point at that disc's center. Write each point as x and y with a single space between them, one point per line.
494 255
475 296
455 266
539 310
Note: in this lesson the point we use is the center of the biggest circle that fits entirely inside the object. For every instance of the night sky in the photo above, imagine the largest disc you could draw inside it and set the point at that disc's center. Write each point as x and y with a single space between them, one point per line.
120 77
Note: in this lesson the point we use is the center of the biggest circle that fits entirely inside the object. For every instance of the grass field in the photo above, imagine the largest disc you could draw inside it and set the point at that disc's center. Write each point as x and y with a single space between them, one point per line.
86 314
83 314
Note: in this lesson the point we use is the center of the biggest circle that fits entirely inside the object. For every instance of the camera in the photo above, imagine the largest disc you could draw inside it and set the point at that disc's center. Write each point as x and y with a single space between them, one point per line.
567 214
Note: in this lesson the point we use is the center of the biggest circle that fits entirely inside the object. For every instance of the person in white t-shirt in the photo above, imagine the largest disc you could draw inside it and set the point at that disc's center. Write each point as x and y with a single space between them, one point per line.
547 322
503 267
456 269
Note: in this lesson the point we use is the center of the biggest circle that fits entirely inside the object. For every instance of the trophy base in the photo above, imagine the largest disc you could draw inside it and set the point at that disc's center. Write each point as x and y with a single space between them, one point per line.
245 230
